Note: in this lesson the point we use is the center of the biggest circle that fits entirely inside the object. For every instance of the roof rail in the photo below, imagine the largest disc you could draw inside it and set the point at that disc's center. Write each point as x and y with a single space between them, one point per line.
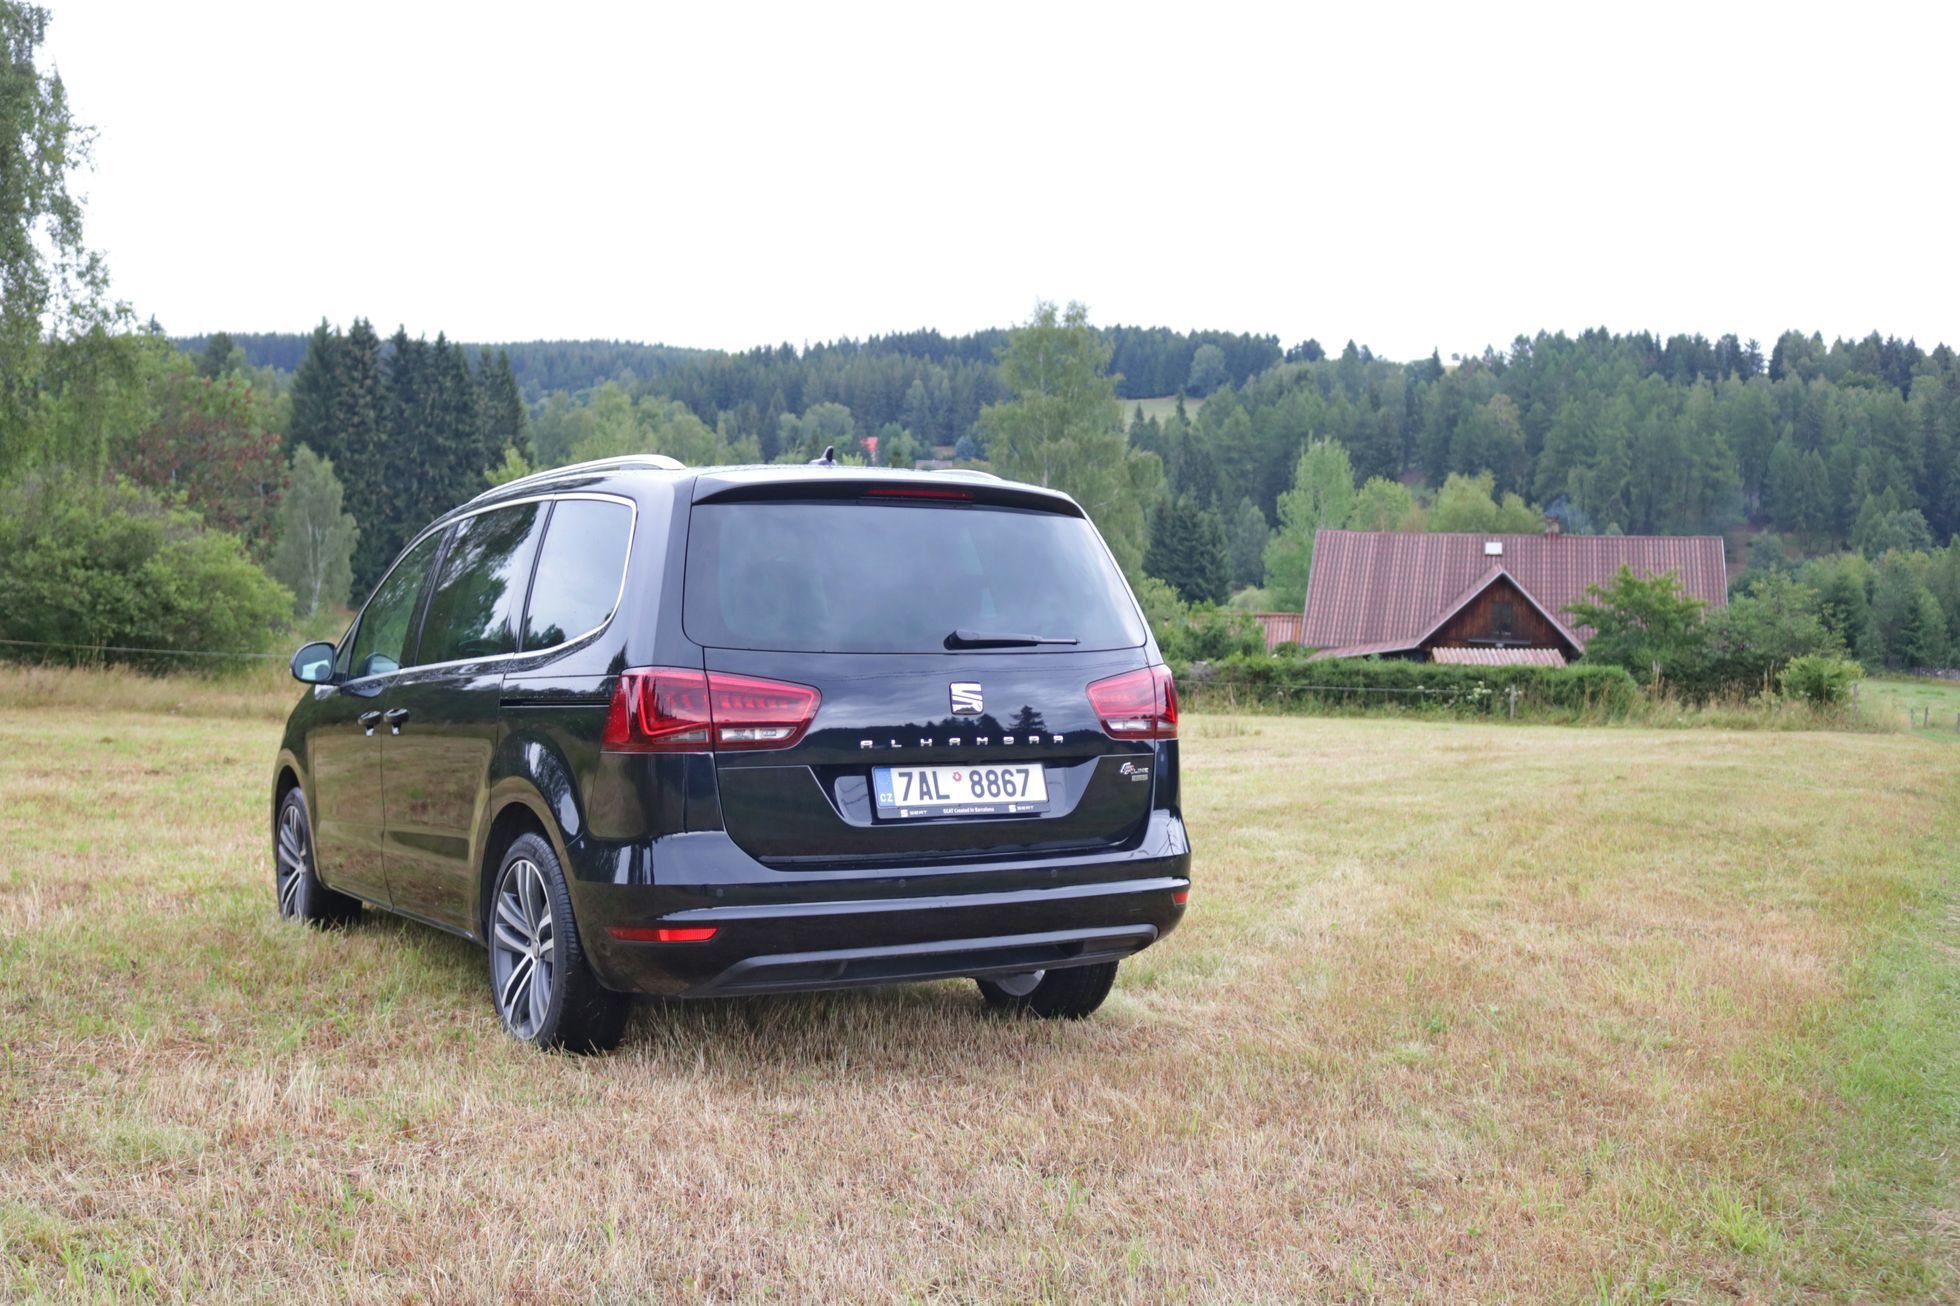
973 472
654 462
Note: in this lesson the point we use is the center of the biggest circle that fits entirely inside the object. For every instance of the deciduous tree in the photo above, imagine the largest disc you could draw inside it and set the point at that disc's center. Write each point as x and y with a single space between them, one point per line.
51 283
1062 427
315 550
1321 499
1643 623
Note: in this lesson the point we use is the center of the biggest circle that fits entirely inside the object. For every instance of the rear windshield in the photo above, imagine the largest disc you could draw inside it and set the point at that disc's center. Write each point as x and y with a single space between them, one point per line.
854 577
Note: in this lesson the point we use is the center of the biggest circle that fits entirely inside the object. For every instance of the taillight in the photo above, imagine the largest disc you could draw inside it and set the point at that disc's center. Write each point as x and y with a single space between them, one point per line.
1137 704
673 710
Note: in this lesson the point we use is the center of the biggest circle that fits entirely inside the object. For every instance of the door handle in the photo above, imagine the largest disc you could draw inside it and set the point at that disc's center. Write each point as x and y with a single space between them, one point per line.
394 716
368 721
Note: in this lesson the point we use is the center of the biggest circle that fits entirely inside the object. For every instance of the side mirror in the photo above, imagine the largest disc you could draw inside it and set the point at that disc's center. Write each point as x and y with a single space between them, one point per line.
313 664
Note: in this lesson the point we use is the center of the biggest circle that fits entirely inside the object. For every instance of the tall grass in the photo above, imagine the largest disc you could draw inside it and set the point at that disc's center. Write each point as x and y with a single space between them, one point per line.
252 691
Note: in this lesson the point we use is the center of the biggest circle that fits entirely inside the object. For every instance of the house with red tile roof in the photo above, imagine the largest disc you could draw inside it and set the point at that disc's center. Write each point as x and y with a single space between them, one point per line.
1483 599
1278 628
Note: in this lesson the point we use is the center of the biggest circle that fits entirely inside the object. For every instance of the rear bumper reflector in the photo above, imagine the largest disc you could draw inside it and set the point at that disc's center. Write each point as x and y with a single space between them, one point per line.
662 933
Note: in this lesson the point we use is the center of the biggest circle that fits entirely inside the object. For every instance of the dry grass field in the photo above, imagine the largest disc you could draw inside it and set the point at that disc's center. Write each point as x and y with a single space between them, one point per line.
1461 1012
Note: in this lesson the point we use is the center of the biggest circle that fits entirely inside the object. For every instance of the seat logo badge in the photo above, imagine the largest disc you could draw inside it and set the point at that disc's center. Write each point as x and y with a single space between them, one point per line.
966 698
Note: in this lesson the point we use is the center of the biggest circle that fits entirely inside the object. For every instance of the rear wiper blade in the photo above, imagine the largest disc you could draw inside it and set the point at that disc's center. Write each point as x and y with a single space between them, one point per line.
989 639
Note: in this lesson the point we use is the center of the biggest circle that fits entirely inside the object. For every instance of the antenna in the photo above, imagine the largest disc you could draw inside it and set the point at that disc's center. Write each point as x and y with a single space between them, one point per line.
829 458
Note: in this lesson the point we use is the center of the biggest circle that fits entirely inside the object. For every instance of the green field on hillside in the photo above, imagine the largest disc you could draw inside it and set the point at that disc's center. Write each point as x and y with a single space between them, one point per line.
1161 409
1460 1012
1906 703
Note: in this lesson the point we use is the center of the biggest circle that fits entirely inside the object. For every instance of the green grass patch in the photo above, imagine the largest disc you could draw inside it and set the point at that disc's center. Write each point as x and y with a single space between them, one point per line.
1928 707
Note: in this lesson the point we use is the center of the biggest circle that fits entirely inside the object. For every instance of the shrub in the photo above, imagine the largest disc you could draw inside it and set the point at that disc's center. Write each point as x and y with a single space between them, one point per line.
91 567
1820 680
1209 634
1368 683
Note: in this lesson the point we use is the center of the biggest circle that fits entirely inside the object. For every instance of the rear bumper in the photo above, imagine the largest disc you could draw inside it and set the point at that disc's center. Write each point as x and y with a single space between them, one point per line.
780 931
1007 954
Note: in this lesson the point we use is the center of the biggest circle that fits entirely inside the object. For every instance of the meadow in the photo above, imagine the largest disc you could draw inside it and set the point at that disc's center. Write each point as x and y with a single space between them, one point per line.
1163 408
1929 708
1461 1011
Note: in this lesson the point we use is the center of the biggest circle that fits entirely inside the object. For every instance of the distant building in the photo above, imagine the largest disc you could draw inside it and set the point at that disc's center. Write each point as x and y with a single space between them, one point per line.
1487 599
1278 627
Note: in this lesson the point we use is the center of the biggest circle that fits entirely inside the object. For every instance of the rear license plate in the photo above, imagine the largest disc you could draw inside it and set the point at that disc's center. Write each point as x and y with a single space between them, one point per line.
906 792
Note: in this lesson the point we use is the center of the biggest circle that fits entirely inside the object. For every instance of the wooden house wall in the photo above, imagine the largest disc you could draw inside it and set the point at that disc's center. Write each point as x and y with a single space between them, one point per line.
1477 625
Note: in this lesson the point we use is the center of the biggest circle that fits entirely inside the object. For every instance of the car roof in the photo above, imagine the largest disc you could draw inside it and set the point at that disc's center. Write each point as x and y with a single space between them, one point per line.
627 473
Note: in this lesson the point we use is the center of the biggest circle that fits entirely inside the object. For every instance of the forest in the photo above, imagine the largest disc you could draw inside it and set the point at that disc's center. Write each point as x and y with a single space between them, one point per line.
1850 443
301 462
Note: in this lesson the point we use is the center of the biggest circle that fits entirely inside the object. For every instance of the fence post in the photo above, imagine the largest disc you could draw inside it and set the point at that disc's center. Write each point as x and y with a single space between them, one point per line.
1514 702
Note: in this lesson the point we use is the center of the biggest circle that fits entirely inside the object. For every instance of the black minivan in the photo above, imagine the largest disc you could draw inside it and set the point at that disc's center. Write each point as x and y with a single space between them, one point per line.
645 729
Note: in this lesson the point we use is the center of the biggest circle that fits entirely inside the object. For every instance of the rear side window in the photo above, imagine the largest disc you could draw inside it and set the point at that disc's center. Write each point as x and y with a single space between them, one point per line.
480 589
381 641
580 569
855 577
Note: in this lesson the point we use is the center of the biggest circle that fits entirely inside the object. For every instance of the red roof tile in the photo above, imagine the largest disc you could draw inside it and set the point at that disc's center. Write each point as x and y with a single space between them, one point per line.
1279 627
1382 591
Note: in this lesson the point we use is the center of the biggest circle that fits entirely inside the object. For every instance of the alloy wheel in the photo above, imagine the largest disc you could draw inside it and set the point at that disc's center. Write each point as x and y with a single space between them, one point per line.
290 853
521 945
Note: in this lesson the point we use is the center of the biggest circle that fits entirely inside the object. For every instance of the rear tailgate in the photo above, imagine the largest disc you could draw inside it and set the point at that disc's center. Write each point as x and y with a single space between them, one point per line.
887 598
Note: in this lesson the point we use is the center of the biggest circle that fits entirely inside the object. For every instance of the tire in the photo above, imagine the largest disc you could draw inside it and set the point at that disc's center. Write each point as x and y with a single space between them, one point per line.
542 988
296 886
1067 994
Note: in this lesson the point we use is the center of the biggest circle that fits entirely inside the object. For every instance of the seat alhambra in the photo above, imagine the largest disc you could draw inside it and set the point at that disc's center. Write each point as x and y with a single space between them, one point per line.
640 729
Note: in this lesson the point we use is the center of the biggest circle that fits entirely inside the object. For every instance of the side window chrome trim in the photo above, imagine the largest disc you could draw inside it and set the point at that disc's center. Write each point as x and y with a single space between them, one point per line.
523 614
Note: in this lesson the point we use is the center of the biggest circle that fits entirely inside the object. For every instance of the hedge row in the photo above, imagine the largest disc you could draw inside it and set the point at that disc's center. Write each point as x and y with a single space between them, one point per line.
1368 683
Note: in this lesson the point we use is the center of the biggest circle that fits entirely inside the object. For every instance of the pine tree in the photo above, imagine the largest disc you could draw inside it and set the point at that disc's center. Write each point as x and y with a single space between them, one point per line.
452 438
1187 551
502 406
358 412
313 421
1908 627
218 357
1212 564
411 470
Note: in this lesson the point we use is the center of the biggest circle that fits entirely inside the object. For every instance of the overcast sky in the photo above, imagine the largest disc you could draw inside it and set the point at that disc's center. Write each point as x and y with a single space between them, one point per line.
724 175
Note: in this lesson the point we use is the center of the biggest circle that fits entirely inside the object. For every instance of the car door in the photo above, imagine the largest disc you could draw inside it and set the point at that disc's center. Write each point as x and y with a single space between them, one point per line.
344 748
444 721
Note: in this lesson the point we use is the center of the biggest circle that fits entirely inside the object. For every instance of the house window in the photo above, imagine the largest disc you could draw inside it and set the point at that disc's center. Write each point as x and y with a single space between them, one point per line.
1503 616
